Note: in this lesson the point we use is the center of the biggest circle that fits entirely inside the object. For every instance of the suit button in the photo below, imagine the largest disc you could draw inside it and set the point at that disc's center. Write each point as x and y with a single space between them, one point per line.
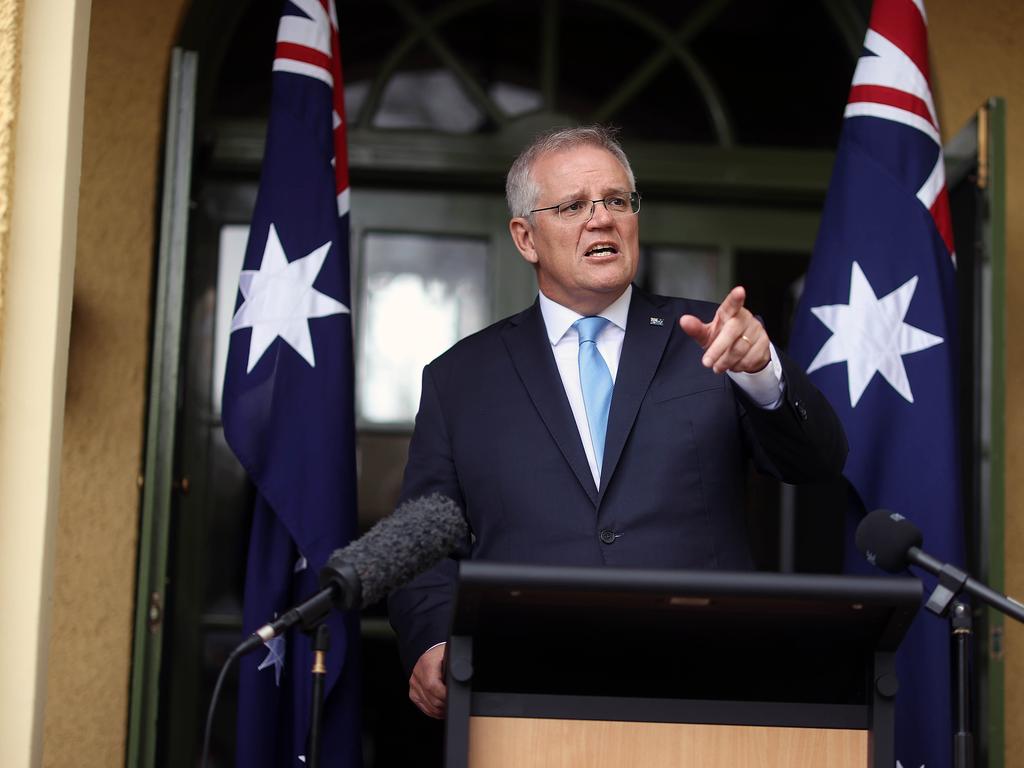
800 409
607 536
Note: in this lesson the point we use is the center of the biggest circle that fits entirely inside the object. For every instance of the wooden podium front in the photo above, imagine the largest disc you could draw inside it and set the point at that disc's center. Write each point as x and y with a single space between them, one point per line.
603 667
513 742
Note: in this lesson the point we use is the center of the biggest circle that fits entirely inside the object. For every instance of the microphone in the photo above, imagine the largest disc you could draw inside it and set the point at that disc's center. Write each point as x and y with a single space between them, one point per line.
887 538
891 542
401 546
416 536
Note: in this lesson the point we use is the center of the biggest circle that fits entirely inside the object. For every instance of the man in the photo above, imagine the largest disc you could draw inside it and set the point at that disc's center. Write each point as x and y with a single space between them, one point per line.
574 440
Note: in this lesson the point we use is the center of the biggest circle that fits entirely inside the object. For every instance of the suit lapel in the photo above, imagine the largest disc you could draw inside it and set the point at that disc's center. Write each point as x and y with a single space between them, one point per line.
526 339
641 352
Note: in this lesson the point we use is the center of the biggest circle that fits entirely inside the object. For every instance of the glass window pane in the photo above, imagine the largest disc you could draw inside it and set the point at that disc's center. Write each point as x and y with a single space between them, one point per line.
685 271
420 294
230 255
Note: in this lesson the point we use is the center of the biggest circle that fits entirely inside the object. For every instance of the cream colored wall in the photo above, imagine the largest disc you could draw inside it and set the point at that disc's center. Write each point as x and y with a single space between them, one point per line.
10 80
37 288
976 53
94 585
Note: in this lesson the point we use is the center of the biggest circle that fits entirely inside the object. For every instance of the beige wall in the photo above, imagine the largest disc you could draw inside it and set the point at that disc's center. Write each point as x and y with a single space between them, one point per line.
90 647
33 362
976 53
10 79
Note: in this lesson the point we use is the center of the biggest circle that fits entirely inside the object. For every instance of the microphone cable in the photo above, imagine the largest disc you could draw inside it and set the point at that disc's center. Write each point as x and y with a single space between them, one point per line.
239 650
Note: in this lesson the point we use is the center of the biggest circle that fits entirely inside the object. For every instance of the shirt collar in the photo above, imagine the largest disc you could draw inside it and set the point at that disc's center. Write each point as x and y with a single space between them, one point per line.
558 319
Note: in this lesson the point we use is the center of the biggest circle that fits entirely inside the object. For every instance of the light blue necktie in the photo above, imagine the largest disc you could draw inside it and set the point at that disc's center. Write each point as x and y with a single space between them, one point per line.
596 380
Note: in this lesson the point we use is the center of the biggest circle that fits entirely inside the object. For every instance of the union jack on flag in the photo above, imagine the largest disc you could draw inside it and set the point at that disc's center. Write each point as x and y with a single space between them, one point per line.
876 330
288 398
892 82
308 45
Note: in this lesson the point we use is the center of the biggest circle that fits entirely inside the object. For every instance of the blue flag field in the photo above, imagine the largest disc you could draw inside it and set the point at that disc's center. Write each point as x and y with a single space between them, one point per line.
288 398
876 331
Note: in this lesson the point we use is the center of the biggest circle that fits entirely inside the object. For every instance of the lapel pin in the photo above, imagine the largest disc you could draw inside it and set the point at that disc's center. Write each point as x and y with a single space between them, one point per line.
657 321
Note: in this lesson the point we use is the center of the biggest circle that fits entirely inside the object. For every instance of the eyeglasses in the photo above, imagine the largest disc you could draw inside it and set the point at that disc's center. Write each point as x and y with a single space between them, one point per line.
577 210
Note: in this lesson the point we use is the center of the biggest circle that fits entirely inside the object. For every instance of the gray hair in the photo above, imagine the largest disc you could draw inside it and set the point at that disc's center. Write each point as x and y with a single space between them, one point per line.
521 190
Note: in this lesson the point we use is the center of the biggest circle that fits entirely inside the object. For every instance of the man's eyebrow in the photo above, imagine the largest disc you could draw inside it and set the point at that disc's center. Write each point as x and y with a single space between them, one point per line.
576 194
579 194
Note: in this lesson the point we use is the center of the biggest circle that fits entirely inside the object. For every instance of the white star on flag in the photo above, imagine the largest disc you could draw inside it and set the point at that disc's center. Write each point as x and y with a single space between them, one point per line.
870 335
279 300
275 657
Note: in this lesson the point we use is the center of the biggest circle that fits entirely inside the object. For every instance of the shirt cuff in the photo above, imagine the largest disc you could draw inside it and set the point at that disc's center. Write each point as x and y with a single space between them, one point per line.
443 642
765 387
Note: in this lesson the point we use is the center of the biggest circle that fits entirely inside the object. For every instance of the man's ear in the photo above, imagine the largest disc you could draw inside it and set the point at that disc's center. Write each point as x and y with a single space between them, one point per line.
522 236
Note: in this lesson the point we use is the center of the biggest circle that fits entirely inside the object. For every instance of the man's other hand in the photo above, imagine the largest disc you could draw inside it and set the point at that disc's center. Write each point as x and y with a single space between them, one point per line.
734 340
426 684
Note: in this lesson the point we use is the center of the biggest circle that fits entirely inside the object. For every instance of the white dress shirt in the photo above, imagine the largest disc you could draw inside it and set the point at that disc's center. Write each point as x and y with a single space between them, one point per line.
763 387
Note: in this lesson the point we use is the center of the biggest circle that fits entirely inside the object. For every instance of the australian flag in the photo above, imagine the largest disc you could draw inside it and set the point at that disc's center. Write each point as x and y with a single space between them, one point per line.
875 329
288 398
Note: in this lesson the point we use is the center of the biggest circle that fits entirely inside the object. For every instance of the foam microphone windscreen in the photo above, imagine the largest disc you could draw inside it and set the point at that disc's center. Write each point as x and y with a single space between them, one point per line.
885 537
416 536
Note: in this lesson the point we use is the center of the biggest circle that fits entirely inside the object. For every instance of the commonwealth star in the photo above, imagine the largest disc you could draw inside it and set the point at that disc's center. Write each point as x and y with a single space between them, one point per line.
870 335
279 300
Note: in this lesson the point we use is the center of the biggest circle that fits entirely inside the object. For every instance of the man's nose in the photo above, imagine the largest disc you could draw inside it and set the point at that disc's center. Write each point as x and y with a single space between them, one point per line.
600 216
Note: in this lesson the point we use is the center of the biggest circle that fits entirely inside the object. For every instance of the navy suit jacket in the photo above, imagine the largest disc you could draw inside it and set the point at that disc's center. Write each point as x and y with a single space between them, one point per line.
495 432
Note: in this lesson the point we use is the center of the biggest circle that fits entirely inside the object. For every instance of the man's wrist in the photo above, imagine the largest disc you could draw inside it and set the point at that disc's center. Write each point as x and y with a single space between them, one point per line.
764 387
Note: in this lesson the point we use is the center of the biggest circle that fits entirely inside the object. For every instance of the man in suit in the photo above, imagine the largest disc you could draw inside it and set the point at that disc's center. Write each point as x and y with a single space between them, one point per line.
619 441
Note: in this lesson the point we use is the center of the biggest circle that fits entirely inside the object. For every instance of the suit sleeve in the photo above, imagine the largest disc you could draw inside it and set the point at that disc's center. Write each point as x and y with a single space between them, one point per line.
420 611
801 441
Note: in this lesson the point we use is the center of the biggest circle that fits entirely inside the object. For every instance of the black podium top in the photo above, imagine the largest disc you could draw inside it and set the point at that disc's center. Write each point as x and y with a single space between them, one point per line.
679 634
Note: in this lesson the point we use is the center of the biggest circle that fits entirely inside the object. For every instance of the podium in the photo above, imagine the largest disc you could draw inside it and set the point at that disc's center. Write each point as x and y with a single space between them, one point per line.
601 667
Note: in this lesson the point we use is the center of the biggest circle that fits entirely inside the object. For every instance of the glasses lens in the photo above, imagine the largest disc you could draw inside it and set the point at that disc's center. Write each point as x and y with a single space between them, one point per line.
581 209
617 204
574 209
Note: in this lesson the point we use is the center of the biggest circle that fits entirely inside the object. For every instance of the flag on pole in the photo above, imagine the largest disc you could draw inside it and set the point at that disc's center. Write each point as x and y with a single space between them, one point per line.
875 329
288 397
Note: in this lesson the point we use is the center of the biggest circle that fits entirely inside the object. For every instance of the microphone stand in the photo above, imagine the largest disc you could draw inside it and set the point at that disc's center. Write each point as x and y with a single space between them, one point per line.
321 644
953 581
963 741
942 602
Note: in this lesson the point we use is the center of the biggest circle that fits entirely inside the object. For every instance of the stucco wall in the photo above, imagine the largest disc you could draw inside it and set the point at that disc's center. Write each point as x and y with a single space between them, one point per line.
10 72
38 268
976 53
90 647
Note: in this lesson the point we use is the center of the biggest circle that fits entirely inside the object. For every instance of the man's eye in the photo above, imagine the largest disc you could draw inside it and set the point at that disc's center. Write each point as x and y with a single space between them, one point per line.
616 202
574 206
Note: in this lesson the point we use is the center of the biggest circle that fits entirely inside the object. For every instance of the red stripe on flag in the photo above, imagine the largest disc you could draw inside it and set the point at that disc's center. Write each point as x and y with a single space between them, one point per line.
943 220
893 97
901 23
302 53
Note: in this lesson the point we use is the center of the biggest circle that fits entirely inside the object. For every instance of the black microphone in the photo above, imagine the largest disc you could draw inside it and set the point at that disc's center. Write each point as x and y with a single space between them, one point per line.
887 538
416 536
892 542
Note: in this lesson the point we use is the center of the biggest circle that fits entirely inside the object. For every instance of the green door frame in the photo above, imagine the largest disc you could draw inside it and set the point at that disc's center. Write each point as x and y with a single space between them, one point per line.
157 497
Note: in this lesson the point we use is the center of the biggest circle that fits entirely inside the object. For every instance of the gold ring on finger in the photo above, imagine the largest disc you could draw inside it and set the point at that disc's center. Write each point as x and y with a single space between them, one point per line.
744 337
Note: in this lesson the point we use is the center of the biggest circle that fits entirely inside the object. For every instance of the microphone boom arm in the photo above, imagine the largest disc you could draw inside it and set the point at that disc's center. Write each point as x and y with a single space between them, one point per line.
953 581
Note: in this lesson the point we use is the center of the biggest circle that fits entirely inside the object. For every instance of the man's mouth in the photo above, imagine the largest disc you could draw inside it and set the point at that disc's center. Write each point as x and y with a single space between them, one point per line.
601 250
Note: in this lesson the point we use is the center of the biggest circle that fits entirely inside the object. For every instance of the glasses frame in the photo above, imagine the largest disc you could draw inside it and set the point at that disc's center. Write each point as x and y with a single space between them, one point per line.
634 206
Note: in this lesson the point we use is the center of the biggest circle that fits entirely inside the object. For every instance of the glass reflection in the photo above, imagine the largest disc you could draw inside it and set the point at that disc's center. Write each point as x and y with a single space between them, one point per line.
421 294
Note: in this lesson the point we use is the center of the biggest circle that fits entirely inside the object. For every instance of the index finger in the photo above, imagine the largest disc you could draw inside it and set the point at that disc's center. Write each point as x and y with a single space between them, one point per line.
733 303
